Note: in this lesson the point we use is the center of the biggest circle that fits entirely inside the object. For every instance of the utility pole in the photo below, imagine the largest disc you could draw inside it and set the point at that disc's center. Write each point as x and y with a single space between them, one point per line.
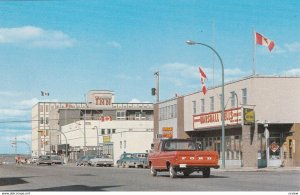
156 74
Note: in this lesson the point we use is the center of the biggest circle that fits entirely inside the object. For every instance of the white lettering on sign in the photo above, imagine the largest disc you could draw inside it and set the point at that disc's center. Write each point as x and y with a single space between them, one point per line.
214 119
209 158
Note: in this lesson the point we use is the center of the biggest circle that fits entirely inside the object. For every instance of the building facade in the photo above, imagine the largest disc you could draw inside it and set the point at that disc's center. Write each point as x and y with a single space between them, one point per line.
256 108
52 121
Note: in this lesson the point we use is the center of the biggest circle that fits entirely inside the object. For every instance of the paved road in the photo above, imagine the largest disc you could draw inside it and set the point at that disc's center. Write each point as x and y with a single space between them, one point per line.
72 178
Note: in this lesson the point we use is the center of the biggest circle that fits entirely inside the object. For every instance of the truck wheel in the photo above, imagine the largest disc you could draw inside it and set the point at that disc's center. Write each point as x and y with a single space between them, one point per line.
153 171
206 172
172 172
186 173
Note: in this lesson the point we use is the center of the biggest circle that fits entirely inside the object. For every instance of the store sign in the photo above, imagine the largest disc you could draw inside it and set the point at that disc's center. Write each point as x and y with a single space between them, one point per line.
167 132
214 119
102 101
106 139
105 118
249 116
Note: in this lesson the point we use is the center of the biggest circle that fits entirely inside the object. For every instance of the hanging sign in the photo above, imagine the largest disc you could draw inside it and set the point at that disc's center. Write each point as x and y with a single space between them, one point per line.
274 147
249 116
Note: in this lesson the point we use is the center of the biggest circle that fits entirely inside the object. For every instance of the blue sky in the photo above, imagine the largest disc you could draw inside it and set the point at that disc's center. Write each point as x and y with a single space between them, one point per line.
70 47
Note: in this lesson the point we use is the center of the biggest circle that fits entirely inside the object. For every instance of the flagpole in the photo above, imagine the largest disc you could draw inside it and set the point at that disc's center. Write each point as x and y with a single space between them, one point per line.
253 51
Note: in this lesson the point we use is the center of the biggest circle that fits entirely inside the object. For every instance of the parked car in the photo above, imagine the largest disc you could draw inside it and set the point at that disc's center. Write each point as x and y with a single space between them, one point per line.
101 160
84 160
57 159
33 160
44 159
123 158
141 160
133 160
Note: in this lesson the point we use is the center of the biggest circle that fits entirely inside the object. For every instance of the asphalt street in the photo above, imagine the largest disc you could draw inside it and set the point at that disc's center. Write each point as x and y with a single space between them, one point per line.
72 178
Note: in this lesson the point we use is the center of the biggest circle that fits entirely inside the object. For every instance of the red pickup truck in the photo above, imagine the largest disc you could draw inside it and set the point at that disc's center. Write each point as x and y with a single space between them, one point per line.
181 155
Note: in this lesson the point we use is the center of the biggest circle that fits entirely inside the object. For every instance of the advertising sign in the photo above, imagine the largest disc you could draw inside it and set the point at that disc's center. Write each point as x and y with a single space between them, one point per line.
106 139
249 116
167 132
214 119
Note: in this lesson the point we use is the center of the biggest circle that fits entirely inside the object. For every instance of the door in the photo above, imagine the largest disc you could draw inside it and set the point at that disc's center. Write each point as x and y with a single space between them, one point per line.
275 150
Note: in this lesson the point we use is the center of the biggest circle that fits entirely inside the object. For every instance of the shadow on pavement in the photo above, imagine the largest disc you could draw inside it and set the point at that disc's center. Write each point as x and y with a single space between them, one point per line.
74 188
12 181
193 176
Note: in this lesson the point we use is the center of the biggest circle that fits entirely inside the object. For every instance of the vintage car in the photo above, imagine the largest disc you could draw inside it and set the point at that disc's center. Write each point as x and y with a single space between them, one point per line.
44 159
84 160
101 160
181 155
57 159
133 160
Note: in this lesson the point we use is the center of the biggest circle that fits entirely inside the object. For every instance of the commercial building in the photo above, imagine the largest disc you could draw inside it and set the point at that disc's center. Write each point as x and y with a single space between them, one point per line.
98 126
256 107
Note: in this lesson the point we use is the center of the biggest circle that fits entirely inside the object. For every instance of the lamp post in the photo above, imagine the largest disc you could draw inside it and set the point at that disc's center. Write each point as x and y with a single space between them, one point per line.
95 127
222 99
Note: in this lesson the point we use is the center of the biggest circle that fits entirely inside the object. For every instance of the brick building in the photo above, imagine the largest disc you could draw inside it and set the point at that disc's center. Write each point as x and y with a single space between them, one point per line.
256 107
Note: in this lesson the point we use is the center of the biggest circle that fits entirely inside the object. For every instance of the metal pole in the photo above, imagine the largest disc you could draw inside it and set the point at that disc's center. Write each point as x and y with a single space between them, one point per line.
222 100
267 135
84 133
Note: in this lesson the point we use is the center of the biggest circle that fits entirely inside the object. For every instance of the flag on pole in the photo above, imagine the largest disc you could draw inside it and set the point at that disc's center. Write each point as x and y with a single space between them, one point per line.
262 40
203 77
44 93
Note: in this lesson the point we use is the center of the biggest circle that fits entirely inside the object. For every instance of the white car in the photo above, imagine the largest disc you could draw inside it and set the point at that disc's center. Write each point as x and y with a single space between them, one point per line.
101 160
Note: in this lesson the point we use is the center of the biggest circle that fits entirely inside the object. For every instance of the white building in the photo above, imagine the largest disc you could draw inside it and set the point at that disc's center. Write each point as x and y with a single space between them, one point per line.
121 126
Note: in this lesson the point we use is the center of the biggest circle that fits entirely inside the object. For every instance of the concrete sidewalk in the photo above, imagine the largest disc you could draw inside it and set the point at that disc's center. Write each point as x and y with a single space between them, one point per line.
254 169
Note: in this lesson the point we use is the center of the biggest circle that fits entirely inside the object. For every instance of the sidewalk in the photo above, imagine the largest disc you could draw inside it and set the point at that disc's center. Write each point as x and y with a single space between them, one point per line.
255 169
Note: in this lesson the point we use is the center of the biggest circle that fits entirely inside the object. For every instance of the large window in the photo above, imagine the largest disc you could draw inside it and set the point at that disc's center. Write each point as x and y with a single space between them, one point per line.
233 100
244 96
202 106
212 104
121 115
194 107
168 112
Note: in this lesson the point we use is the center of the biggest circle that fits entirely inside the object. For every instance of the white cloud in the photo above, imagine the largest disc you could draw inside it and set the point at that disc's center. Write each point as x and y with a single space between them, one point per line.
11 112
28 103
293 47
114 44
292 72
35 37
135 100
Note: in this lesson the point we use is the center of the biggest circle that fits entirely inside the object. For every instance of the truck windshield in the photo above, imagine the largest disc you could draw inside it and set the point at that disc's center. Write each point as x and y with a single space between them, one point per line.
180 145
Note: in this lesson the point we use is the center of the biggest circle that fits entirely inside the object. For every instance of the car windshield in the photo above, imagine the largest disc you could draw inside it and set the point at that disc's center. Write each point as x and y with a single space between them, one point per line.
180 145
55 158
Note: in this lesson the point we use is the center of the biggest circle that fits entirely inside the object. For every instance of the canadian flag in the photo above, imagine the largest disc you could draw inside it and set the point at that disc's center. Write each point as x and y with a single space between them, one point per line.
262 40
203 77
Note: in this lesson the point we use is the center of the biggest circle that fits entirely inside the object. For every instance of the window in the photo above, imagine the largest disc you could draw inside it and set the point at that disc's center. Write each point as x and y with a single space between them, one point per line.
202 105
102 131
121 115
113 131
232 99
194 107
244 96
108 131
212 104
124 144
41 108
47 120
42 120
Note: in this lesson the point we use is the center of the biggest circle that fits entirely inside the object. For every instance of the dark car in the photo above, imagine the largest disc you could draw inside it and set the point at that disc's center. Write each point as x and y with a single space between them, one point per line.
133 160
123 158
84 160
44 159
56 159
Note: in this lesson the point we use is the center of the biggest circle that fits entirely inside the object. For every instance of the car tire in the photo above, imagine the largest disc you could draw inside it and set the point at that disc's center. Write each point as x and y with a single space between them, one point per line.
206 172
153 171
172 172
186 173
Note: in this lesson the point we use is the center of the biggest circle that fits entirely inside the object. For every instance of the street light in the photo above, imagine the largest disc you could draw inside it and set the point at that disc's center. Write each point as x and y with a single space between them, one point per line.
189 42
95 127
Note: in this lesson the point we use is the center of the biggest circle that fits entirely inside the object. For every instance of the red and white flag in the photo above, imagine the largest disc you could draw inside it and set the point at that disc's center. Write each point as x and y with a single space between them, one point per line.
262 40
203 77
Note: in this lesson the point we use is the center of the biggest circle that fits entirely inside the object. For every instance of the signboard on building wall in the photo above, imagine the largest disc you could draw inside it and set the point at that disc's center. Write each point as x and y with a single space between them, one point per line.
100 98
167 132
249 116
214 119
106 139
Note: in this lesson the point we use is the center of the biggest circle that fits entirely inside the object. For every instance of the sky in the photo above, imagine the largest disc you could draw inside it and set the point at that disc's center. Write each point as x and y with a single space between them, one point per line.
70 47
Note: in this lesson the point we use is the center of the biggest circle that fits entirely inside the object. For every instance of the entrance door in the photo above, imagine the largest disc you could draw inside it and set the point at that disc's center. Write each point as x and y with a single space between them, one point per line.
217 147
274 150
108 149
